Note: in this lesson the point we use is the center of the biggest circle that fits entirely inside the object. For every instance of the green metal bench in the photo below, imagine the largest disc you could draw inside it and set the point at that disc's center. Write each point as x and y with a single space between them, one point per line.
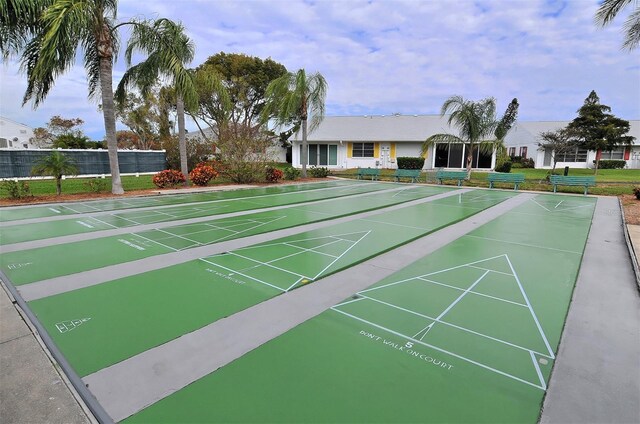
583 181
414 174
503 177
374 173
451 175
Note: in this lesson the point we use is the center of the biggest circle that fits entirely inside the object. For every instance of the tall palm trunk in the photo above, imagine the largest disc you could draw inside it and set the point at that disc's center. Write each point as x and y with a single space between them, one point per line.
105 51
58 185
182 140
305 151
469 160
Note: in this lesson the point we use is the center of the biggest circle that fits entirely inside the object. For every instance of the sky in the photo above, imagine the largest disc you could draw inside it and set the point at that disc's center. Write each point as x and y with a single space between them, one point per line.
381 57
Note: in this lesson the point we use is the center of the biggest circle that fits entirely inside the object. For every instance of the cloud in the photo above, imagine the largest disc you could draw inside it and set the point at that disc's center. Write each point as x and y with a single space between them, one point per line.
381 57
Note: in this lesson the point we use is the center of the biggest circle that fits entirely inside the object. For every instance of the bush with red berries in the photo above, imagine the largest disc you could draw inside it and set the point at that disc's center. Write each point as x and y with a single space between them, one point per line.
273 175
202 174
168 178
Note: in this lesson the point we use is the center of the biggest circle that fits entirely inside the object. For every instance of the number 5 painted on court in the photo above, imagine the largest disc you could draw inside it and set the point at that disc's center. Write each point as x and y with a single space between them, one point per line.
408 345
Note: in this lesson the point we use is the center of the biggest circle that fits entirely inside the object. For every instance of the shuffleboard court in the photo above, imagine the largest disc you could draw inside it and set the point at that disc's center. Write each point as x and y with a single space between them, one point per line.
469 333
124 317
27 266
74 208
48 229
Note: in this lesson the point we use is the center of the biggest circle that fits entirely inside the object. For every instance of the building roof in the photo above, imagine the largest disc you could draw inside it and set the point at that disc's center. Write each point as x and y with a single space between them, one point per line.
416 128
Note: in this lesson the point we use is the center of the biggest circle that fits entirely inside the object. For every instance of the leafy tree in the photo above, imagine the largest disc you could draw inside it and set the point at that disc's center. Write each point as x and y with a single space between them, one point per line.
607 12
293 97
477 125
597 129
198 150
142 115
56 165
245 80
559 142
169 50
62 133
245 152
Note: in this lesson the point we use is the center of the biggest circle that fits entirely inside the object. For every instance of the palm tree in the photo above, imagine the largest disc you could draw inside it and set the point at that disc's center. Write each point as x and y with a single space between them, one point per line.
609 9
292 97
168 50
56 165
67 26
476 123
18 23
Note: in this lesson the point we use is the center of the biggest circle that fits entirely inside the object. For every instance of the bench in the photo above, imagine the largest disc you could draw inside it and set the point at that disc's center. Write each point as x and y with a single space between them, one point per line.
585 181
414 174
503 177
368 172
451 175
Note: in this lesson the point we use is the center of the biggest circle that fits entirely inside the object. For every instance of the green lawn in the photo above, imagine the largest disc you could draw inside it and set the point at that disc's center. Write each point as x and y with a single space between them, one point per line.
610 182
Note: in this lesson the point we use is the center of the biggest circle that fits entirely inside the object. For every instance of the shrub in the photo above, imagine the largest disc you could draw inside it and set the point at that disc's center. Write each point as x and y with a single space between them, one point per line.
273 175
611 164
527 163
96 185
168 178
16 190
406 162
291 173
504 167
202 174
321 172
636 192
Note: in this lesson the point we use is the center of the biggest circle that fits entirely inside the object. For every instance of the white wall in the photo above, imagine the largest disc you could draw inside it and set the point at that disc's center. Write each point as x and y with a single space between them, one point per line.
15 135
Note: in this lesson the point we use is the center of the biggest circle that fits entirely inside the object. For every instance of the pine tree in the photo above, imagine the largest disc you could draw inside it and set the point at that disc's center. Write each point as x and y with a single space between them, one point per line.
597 129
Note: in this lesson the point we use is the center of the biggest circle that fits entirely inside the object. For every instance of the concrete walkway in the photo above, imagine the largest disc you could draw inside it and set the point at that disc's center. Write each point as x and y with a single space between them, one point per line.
596 378
31 388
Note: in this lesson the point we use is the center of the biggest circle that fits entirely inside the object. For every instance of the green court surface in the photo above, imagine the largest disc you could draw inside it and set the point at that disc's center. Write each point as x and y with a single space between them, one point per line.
47 229
124 317
27 266
73 208
468 333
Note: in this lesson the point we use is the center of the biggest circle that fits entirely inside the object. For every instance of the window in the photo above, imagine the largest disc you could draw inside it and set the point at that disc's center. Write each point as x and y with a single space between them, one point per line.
616 154
577 155
3 143
454 155
322 154
362 150
523 152
512 151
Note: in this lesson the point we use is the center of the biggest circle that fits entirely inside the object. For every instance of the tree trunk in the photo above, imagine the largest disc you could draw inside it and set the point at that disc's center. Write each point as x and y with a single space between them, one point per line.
597 164
469 161
305 151
108 112
59 185
182 139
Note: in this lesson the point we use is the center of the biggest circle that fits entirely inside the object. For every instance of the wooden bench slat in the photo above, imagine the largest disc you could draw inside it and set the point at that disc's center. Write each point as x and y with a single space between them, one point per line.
451 175
414 174
374 173
503 177
568 180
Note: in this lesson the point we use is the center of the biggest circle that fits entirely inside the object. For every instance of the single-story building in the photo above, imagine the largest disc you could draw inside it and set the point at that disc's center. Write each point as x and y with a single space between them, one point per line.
342 142
14 135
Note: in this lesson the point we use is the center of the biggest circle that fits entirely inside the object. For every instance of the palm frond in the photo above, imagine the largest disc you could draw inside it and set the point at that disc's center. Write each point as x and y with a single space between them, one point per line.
608 10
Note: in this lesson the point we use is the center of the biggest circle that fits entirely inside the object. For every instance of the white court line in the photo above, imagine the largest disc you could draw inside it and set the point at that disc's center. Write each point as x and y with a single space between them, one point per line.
235 233
197 243
543 207
350 301
538 371
468 330
343 253
124 219
335 236
397 225
442 350
267 264
102 222
473 292
454 303
312 250
239 273
156 242
533 313
431 273
524 244
492 270
556 207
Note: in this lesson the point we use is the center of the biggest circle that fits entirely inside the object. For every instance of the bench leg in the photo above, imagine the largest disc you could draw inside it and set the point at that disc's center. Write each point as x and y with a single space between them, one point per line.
459 183
586 189
515 187
554 187
490 184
